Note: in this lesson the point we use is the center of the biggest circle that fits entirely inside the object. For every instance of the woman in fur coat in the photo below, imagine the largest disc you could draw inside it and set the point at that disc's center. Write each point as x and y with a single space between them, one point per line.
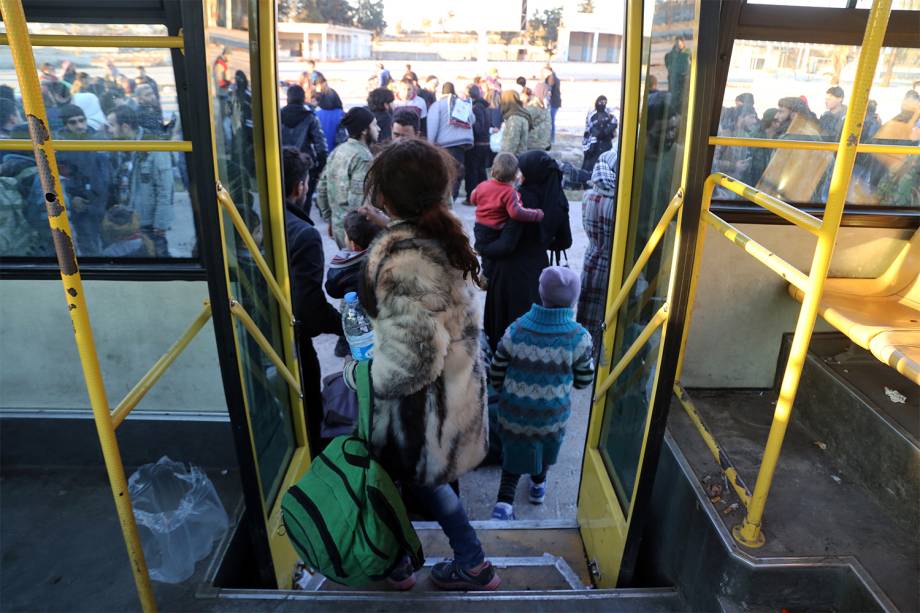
430 418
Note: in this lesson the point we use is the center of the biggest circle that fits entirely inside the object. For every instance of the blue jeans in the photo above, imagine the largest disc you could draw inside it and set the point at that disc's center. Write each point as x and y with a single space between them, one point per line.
442 502
552 114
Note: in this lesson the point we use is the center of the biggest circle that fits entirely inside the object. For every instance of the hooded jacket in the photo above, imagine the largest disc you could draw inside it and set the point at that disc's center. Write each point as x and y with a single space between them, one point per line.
430 420
301 129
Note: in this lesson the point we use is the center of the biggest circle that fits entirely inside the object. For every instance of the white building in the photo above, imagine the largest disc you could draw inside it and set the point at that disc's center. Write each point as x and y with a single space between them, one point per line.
323 41
591 37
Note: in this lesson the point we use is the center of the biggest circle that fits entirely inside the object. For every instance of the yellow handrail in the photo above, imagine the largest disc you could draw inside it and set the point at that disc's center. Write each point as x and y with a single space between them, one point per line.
156 371
240 313
56 208
227 205
810 145
182 146
676 202
122 42
773 204
658 319
766 257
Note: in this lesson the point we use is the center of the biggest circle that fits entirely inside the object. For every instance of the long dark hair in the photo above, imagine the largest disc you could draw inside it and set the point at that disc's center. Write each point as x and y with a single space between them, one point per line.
412 177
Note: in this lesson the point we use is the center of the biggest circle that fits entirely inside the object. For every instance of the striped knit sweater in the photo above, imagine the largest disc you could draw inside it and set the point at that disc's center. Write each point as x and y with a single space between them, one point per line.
539 359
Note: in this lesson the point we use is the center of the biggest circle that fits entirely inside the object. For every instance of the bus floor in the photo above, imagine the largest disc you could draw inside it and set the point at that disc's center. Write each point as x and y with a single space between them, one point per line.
816 507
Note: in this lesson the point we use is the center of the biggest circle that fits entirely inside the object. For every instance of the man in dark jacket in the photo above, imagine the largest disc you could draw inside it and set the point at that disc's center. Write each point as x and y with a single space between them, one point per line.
555 97
476 158
301 129
313 315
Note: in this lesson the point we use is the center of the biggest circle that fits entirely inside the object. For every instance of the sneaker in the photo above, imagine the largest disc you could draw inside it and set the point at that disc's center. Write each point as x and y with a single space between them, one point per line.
449 576
403 576
341 348
502 511
537 492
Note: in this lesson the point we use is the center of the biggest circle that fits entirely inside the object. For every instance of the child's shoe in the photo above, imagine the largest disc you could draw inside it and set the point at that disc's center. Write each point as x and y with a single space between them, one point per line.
403 576
537 493
448 575
502 511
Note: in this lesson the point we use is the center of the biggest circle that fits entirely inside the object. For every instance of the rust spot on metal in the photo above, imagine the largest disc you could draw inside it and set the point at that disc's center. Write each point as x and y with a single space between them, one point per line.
63 246
38 129
71 307
72 292
852 140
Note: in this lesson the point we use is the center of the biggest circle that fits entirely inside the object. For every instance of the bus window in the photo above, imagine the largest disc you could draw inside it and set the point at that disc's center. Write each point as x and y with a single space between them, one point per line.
123 205
797 91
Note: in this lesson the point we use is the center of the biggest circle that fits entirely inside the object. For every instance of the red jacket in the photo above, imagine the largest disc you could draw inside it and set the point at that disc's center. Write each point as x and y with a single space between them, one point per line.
496 202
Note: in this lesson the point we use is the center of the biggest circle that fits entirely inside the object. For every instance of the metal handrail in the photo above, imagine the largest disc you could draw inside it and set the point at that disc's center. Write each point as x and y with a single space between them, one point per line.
240 313
228 205
657 320
804 220
156 371
749 532
676 202
43 147
120 42
810 145
182 146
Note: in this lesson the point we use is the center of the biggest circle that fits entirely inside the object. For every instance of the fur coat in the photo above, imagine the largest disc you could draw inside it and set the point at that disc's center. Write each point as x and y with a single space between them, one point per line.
430 421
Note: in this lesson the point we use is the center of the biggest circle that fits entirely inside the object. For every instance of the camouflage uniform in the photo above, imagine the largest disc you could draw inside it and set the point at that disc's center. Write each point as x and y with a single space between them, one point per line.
539 135
341 186
514 134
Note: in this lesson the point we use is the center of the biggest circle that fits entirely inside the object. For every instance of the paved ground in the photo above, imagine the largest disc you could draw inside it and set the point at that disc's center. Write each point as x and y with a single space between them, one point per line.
480 487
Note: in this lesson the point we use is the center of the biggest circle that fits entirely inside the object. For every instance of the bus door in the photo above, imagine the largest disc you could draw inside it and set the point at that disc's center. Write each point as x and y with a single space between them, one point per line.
634 378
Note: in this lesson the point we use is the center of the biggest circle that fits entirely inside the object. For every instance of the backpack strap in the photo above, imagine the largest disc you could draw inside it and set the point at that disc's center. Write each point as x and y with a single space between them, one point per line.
365 398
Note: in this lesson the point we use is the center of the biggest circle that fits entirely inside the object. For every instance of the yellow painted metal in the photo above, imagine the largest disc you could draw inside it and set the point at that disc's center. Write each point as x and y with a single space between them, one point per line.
656 322
749 531
807 145
612 308
105 145
156 371
773 204
766 257
602 522
283 554
121 42
727 466
24 61
240 313
227 205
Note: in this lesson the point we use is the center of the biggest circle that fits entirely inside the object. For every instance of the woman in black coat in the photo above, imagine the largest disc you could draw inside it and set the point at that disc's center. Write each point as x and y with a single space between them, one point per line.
519 255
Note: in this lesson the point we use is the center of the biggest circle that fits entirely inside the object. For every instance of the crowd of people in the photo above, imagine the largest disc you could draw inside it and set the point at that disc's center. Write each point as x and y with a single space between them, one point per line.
121 203
883 179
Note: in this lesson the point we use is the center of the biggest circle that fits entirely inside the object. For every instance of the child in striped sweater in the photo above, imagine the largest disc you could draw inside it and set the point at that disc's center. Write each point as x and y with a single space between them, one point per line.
541 357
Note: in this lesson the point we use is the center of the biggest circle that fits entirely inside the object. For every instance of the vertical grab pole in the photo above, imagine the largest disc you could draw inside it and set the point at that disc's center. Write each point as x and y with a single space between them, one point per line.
749 533
21 49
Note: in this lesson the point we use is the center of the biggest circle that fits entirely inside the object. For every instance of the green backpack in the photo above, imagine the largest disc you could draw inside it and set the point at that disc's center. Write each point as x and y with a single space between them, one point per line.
345 517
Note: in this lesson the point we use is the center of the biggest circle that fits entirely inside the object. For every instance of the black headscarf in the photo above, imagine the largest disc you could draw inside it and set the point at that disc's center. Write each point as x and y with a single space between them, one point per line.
542 189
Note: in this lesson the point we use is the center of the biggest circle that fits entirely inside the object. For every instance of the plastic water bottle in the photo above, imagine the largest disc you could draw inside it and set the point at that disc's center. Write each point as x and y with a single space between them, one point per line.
357 327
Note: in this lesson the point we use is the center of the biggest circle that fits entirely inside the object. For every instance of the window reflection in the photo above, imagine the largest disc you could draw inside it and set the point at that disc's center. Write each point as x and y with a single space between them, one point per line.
121 204
793 91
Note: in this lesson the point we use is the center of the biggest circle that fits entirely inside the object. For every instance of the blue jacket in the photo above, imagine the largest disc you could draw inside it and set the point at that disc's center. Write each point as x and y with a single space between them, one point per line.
541 357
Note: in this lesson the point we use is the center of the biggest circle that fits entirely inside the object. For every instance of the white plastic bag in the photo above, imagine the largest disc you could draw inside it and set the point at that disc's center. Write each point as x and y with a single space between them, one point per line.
495 140
179 517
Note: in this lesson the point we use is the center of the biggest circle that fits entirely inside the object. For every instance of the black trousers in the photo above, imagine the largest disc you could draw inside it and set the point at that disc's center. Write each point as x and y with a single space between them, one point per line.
475 160
458 154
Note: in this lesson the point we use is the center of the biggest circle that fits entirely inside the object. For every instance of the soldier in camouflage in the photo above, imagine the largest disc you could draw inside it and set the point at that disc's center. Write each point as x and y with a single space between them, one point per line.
341 186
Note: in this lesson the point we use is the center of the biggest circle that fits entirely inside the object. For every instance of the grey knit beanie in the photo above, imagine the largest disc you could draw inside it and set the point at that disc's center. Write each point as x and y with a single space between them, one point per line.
559 287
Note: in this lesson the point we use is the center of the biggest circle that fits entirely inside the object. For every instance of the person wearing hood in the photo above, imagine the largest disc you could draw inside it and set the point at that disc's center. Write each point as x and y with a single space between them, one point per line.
540 136
341 185
380 103
598 210
89 102
600 129
516 123
450 125
301 129
476 158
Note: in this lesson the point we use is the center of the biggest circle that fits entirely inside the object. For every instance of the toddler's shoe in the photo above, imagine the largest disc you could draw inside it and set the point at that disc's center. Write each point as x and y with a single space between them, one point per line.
403 576
502 511
448 575
537 492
